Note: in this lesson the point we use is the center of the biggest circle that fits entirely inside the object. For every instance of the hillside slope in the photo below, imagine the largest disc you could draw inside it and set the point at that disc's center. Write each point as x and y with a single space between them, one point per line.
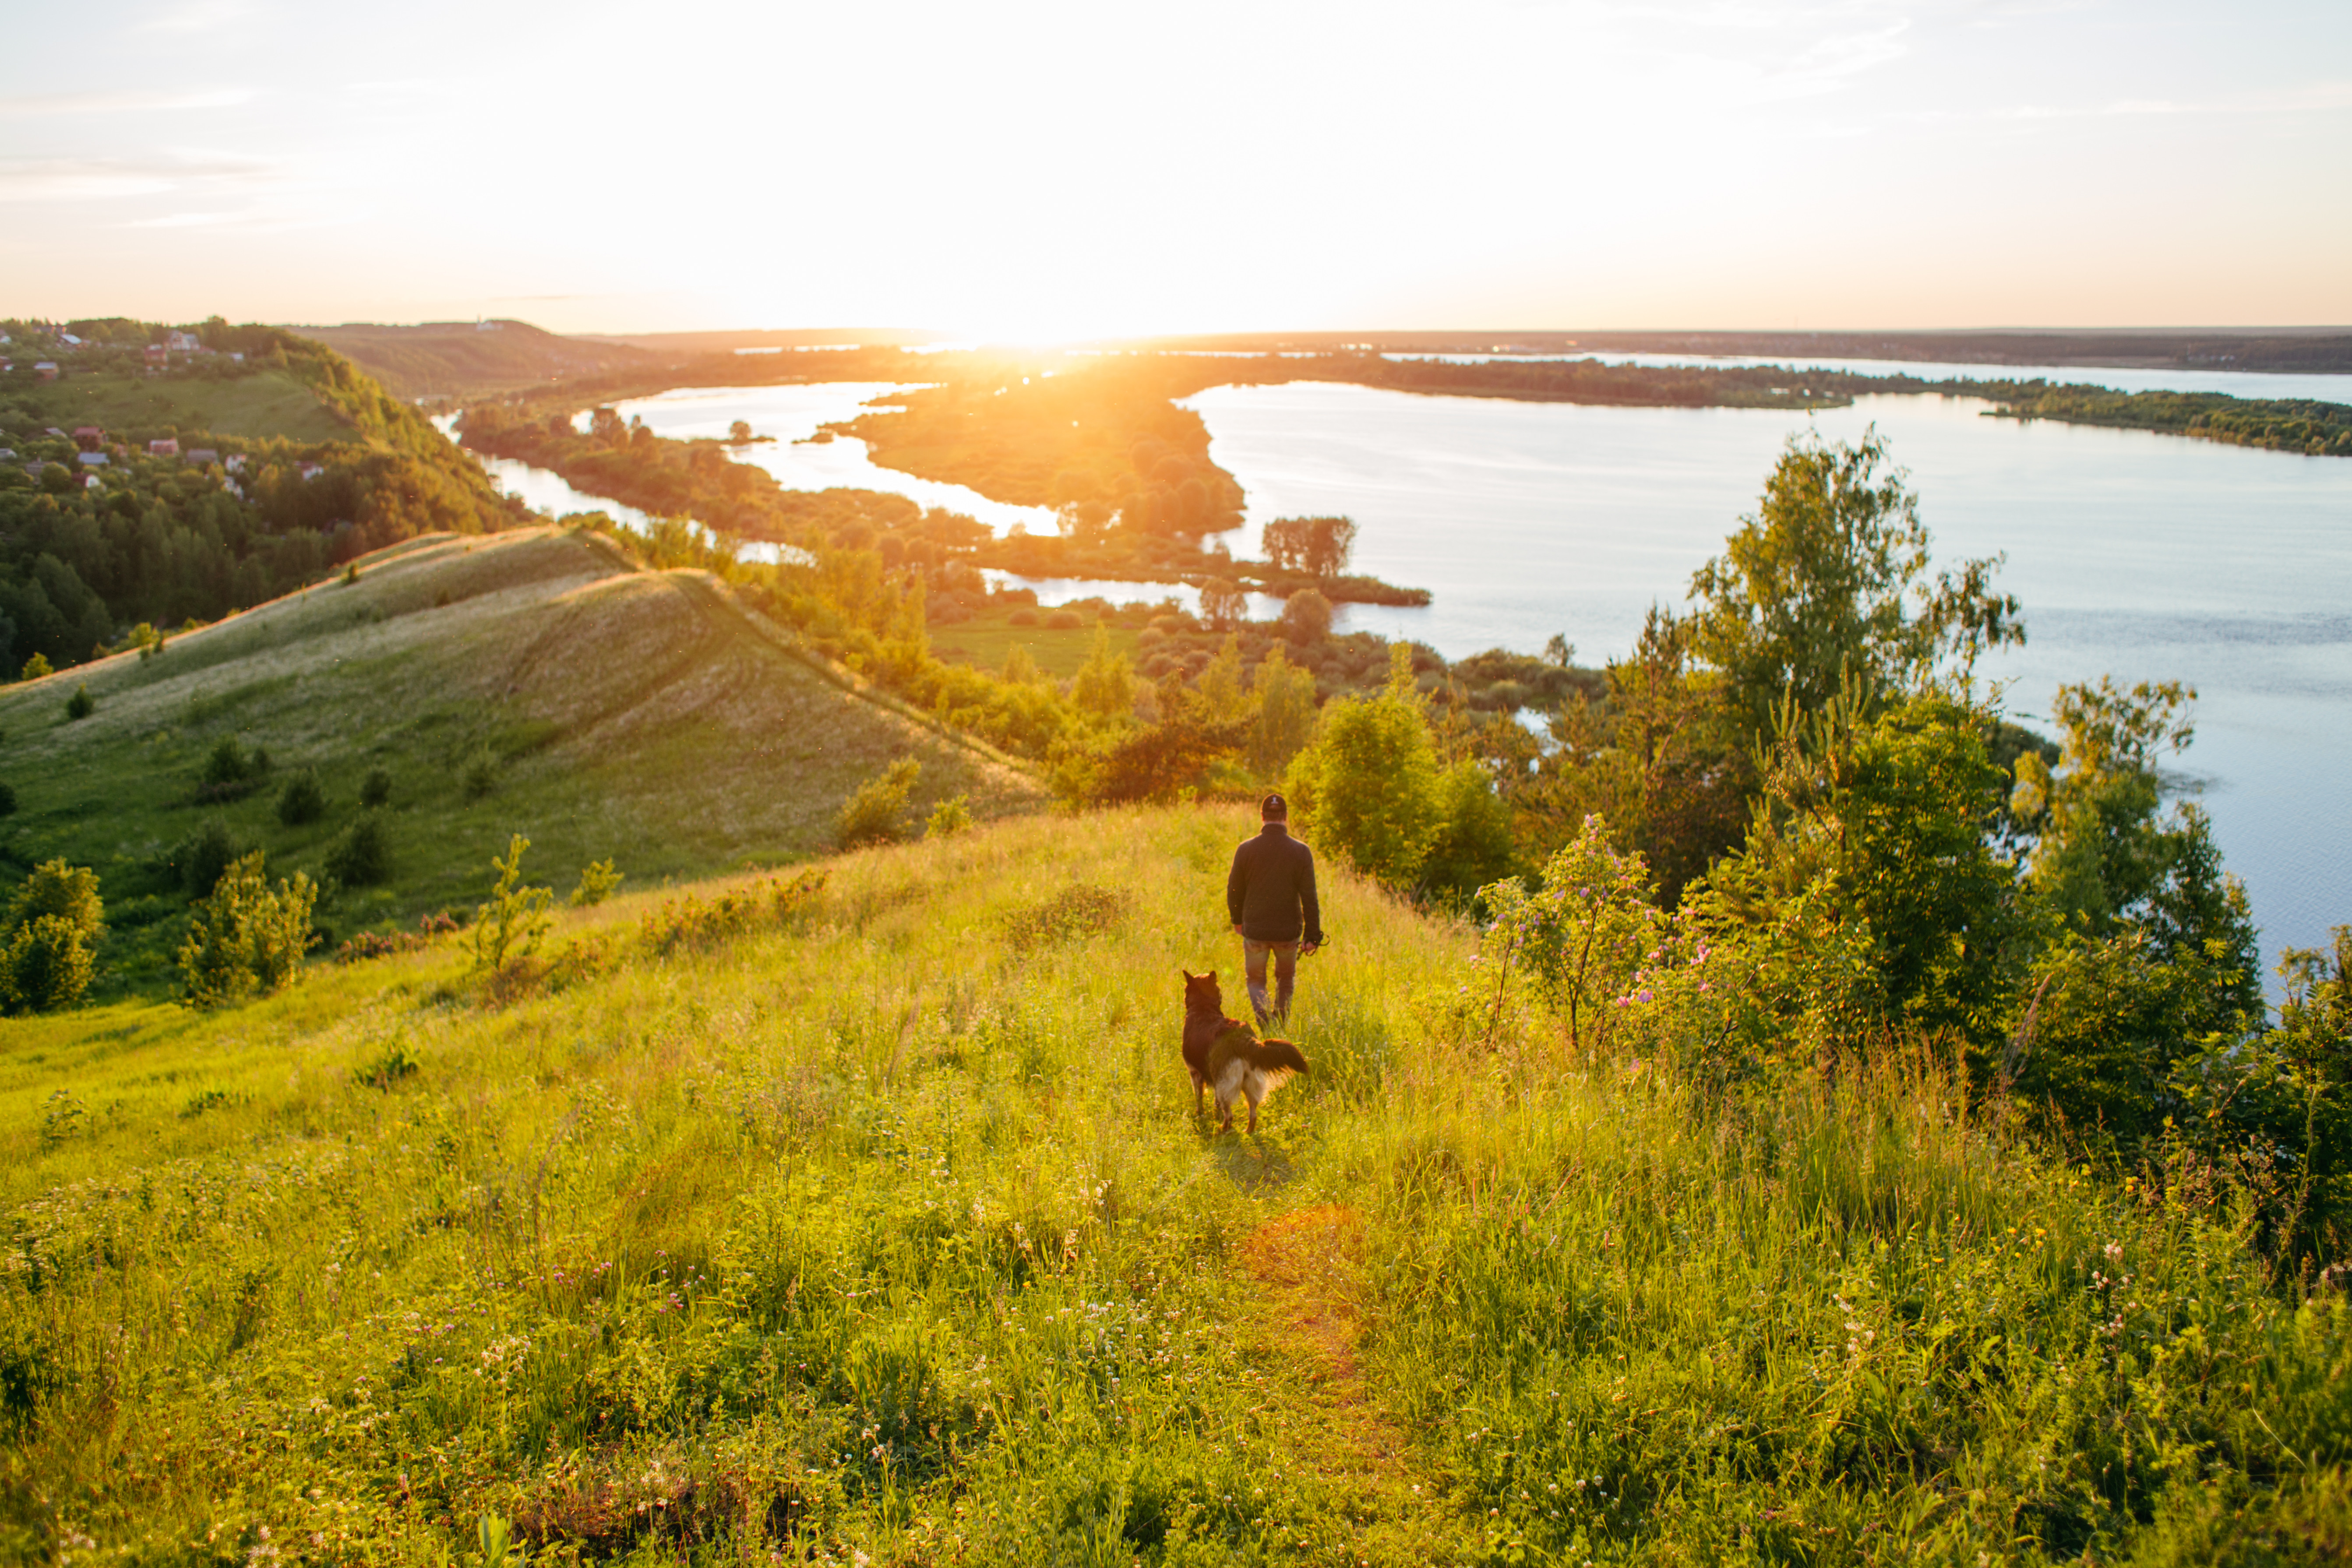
466 359
611 713
883 1232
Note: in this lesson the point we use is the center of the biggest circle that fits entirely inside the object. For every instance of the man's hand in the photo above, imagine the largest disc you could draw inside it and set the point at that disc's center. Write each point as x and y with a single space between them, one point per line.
1237 931
1307 947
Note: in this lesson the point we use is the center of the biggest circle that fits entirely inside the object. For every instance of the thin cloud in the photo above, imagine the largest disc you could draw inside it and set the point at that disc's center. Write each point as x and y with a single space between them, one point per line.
201 16
2315 96
121 102
108 179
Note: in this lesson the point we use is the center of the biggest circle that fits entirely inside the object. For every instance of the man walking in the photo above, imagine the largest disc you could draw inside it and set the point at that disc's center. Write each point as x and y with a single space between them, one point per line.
1270 894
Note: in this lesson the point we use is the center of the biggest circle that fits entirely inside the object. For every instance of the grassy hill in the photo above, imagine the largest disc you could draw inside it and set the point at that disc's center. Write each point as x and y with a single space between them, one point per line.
609 712
881 1231
461 358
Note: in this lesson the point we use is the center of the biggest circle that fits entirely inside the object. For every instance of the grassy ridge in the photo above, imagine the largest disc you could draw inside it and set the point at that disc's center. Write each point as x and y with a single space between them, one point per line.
884 1230
641 715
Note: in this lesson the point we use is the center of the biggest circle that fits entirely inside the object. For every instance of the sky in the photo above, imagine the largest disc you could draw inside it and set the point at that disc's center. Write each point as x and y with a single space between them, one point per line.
1040 171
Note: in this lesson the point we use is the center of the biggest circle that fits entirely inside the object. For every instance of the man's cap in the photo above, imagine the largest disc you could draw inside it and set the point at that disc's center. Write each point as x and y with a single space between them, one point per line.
1271 806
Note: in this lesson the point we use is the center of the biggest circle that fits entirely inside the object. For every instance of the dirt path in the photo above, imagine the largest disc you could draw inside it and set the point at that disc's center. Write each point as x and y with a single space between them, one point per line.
1308 1266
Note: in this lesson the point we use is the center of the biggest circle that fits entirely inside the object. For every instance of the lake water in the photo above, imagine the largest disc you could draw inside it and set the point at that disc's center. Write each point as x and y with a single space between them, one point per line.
2143 556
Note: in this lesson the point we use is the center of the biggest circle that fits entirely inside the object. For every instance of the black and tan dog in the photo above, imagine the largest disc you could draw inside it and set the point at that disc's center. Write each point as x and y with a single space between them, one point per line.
1226 1054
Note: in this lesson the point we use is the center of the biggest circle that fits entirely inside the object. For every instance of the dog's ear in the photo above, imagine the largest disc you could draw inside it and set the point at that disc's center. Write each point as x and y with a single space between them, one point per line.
1188 975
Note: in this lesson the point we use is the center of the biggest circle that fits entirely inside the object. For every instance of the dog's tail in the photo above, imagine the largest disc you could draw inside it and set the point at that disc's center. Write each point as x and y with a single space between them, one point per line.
1277 1060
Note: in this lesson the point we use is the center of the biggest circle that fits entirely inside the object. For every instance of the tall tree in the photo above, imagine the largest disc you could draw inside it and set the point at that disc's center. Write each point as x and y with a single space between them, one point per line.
1828 582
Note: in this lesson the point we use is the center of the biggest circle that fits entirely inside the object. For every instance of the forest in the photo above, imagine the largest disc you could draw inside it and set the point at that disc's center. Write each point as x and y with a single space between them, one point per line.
91 553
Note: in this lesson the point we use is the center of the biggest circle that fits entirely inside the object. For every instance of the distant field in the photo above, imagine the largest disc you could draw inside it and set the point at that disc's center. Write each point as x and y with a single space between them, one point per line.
985 642
638 715
270 403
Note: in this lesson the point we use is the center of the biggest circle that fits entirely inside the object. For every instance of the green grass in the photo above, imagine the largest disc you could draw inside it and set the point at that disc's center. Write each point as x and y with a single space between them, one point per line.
985 642
637 715
887 1231
268 403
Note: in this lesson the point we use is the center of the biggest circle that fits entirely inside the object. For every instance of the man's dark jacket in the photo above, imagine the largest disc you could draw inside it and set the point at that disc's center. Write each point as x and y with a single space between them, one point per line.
1272 881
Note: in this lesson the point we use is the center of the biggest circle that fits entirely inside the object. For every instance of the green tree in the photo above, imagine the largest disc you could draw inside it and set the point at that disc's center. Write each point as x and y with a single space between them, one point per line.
1868 886
82 704
515 918
1104 686
1283 696
244 940
49 941
1655 756
1827 583
1475 844
1221 602
2153 957
1367 788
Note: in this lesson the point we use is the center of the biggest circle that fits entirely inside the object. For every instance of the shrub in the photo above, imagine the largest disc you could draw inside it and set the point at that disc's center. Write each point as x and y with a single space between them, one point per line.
36 666
873 814
230 771
245 939
1307 616
949 818
361 856
47 944
1063 620
1078 911
375 790
82 704
387 1070
692 924
368 945
1024 616
301 801
598 881
514 919
480 778
201 857
351 574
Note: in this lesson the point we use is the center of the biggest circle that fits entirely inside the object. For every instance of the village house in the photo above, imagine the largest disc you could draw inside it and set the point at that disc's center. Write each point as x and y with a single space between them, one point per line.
45 369
168 446
236 463
92 460
88 437
203 457
180 342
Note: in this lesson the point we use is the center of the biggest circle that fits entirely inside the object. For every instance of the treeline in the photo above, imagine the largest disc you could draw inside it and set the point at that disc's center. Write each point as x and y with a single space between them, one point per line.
2277 424
157 540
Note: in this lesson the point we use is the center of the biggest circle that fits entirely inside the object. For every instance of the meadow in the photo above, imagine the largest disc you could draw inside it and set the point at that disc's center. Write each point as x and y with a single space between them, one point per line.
873 1226
533 682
